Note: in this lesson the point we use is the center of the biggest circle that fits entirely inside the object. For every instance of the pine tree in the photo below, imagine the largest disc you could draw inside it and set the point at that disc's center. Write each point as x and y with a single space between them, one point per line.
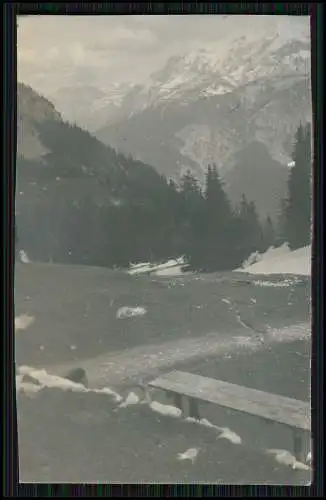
298 207
216 197
190 193
190 215
215 228
250 235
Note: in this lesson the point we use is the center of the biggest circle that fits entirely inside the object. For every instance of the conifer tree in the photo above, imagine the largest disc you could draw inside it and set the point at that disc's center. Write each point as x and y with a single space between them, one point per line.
250 236
190 217
216 197
216 225
298 207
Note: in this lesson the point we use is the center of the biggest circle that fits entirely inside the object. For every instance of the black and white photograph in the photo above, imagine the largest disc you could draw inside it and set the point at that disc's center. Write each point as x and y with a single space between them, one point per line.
163 231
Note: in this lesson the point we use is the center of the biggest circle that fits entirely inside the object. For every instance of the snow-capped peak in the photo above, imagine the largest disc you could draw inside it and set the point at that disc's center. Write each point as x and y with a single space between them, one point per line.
225 65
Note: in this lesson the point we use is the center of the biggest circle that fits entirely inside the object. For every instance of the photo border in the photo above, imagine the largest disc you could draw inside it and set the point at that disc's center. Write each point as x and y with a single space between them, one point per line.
10 438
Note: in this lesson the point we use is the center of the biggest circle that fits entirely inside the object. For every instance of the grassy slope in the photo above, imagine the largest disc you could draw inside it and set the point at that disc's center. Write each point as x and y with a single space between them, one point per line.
75 305
84 439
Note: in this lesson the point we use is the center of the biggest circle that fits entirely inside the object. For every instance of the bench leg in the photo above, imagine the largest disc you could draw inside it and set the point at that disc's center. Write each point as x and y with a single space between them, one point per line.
178 401
193 408
298 447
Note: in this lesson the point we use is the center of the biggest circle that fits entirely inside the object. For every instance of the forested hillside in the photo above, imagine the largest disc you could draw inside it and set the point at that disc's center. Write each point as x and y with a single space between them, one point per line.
79 201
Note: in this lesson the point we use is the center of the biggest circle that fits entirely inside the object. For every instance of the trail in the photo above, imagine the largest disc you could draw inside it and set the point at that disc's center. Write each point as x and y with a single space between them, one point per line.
140 362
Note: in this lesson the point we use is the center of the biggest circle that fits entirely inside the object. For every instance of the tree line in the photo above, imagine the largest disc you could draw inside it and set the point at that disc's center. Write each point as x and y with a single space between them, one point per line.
154 219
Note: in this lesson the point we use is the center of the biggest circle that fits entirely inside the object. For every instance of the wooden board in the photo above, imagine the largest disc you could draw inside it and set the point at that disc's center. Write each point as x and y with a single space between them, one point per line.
284 410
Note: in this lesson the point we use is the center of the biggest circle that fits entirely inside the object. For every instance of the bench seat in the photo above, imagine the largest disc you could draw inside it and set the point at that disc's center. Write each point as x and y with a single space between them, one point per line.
272 407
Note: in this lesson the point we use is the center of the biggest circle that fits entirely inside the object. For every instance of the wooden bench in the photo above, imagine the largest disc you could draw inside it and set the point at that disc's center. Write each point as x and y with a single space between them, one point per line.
271 407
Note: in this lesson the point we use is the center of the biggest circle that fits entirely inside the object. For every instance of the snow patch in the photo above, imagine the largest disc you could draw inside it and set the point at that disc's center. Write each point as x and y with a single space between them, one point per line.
231 436
25 369
108 392
224 432
278 284
282 261
23 321
130 312
190 454
43 380
170 271
173 267
202 421
131 399
167 410
286 458
271 253
252 259
24 257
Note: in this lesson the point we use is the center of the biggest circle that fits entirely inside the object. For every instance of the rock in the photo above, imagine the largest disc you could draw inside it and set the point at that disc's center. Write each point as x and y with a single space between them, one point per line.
77 375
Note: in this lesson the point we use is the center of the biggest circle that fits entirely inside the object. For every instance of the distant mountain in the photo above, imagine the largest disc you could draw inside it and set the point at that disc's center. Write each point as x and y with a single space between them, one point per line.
88 106
220 70
209 105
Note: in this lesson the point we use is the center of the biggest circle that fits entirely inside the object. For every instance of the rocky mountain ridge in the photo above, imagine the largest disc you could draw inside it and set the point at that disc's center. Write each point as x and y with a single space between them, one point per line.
210 105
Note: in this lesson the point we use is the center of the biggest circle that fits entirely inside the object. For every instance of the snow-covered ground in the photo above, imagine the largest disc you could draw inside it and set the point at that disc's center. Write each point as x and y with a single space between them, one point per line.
279 261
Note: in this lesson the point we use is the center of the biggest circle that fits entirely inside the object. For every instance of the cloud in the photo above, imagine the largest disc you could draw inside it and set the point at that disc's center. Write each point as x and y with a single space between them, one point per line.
61 50
91 46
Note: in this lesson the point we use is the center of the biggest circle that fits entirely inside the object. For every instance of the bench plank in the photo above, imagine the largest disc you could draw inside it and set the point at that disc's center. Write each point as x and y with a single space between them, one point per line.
273 407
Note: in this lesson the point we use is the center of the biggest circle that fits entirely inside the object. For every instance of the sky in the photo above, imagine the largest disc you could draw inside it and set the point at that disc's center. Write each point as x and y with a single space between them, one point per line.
57 51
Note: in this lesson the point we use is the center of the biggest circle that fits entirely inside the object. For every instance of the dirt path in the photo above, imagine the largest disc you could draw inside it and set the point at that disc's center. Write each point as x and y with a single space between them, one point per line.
140 362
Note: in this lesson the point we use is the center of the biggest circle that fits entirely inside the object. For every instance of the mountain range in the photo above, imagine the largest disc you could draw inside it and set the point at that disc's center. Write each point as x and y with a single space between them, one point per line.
90 107
238 108
236 105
